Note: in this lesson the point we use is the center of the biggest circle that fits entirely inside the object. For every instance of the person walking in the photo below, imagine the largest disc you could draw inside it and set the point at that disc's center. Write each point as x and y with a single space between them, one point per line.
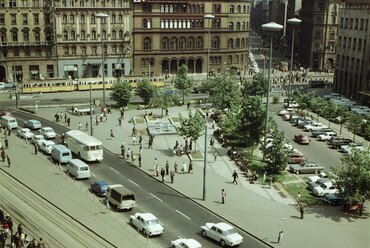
270 181
41 243
301 210
183 169
36 148
167 168
79 126
162 174
139 159
172 175
235 176
223 195
133 131
140 140
69 121
111 134
175 167
190 170
8 160
65 117
215 156
120 121
3 155
123 150
299 198
87 126
133 140
6 141
176 145
128 154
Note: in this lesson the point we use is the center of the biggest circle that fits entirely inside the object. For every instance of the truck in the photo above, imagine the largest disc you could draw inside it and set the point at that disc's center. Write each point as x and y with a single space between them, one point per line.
120 197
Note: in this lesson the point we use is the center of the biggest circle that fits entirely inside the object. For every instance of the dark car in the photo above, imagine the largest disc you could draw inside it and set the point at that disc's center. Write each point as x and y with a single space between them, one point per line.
303 123
334 199
340 142
316 133
99 188
306 167
302 139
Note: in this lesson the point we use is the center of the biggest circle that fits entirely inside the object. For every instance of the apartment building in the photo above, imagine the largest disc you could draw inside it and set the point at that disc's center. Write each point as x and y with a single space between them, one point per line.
352 74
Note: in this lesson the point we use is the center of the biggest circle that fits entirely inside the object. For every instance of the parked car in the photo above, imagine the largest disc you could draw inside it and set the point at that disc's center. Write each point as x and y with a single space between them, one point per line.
304 122
99 188
324 188
32 124
147 223
316 133
296 158
223 233
306 167
314 178
293 104
37 139
302 139
314 126
46 146
25 133
185 243
326 136
334 198
284 111
47 132
352 146
340 142
312 185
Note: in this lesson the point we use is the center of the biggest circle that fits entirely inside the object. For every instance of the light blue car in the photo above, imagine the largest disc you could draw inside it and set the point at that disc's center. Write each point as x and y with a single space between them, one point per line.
32 124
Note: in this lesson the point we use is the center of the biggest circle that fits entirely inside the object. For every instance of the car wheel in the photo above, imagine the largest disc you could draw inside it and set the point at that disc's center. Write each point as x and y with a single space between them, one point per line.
297 172
223 244
204 233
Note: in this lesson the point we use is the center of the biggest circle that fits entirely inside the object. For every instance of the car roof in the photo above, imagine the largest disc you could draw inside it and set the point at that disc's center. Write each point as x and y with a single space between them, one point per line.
34 121
25 129
223 226
47 128
48 142
147 216
101 183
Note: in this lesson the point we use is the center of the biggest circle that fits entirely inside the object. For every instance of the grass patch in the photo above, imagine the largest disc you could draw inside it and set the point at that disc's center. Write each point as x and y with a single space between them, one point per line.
306 197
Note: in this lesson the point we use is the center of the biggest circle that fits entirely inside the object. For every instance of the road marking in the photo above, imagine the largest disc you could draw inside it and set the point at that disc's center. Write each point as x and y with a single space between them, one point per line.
114 170
156 197
134 182
93 174
187 217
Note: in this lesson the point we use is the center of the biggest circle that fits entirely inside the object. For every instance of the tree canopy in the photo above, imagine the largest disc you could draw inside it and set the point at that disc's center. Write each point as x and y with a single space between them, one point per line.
257 86
192 127
162 100
146 90
183 82
121 93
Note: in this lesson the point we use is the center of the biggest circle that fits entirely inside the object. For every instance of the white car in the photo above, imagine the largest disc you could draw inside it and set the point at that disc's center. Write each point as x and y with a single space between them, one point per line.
25 133
223 233
286 111
147 223
314 126
314 178
348 148
37 139
325 188
47 132
185 243
46 146
326 136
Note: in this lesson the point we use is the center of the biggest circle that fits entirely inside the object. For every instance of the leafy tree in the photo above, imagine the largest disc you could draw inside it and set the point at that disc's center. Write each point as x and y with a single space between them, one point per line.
162 100
183 82
342 114
121 93
257 86
353 178
354 123
231 121
224 90
316 106
146 90
276 155
192 127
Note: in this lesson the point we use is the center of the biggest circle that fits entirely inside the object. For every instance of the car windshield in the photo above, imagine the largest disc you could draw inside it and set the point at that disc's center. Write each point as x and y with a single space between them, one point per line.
230 231
49 130
152 222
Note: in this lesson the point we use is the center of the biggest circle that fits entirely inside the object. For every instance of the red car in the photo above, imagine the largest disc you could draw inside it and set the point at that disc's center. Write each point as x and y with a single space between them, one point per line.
296 158
302 139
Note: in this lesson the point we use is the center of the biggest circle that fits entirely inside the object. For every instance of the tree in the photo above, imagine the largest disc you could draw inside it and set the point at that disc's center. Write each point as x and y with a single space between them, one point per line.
192 127
354 123
353 178
183 82
257 86
276 155
162 100
121 93
146 90
231 121
224 90
316 106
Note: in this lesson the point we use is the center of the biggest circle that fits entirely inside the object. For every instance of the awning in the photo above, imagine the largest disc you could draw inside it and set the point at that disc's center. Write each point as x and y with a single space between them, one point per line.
70 68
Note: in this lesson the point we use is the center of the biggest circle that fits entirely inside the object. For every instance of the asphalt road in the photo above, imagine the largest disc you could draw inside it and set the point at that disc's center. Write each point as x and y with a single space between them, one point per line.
179 215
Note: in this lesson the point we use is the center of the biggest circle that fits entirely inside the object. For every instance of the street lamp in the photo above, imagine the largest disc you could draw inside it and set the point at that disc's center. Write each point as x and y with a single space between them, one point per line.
294 22
209 17
280 234
205 161
91 111
271 28
102 16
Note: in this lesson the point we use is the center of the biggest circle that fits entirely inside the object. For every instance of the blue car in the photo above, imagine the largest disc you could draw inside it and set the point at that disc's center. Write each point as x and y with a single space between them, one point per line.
334 199
32 124
99 188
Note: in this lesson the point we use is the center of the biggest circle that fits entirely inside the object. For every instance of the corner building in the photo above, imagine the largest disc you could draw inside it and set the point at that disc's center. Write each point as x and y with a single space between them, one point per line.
168 34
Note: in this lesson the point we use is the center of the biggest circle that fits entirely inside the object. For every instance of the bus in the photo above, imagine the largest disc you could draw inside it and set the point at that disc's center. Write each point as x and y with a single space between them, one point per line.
84 146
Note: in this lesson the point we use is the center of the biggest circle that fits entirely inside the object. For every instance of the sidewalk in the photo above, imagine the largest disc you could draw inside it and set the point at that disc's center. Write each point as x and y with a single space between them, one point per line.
253 207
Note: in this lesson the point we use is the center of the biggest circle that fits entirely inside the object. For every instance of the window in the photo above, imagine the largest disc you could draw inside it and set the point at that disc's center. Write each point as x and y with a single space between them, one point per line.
26 36
93 35
114 35
64 19
92 19
15 36
230 43
190 43
83 50
317 34
2 19
216 42
65 35
113 18
36 19
231 8
182 43
16 52
199 43
71 19
25 19
237 43
73 50
73 35
147 23
239 9
27 52
82 3
83 35
82 18
173 43
243 26
114 49
231 26
104 35
94 50
37 35
238 26
66 50
13 19
147 44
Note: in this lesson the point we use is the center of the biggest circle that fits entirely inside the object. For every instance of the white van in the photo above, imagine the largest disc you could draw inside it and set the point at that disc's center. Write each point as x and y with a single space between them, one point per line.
78 169
8 122
61 154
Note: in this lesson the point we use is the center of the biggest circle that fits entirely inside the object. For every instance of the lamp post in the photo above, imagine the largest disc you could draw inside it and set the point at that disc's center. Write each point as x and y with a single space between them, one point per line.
209 17
102 16
294 22
91 111
271 28
280 234
205 161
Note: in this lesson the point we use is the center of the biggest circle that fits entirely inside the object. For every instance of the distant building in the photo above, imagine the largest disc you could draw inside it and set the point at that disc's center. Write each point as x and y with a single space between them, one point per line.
352 74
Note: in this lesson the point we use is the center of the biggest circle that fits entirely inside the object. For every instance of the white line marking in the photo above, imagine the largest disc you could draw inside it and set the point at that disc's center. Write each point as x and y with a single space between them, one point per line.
114 170
134 182
93 174
156 197
183 214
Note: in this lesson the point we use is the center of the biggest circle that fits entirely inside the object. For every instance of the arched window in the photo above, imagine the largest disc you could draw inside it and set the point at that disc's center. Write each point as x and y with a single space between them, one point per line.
190 43
65 35
243 43
147 44
93 35
231 26
242 58
239 9
162 8
201 9
173 43
243 26
237 43
244 9
182 43
114 34
231 8
215 42
162 23
238 26
199 43
230 43
237 59
164 43
229 59
120 34
26 36
73 35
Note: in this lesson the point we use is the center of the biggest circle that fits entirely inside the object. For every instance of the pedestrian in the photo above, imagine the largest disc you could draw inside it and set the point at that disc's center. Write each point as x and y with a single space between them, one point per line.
191 145
301 210
235 176
41 243
139 159
183 169
3 155
133 157
264 178
172 175
123 151
186 146
120 121
174 152
133 140
188 105
211 142
20 229
65 117
8 160
140 149
133 131
6 141
86 126
166 111
79 126
190 168
150 143
223 195
162 174
140 139
56 117
176 145
69 121
36 148
128 154
280 236
175 167
215 156
270 181
111 134
167 167
299 198
9 131
155 164
97 120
